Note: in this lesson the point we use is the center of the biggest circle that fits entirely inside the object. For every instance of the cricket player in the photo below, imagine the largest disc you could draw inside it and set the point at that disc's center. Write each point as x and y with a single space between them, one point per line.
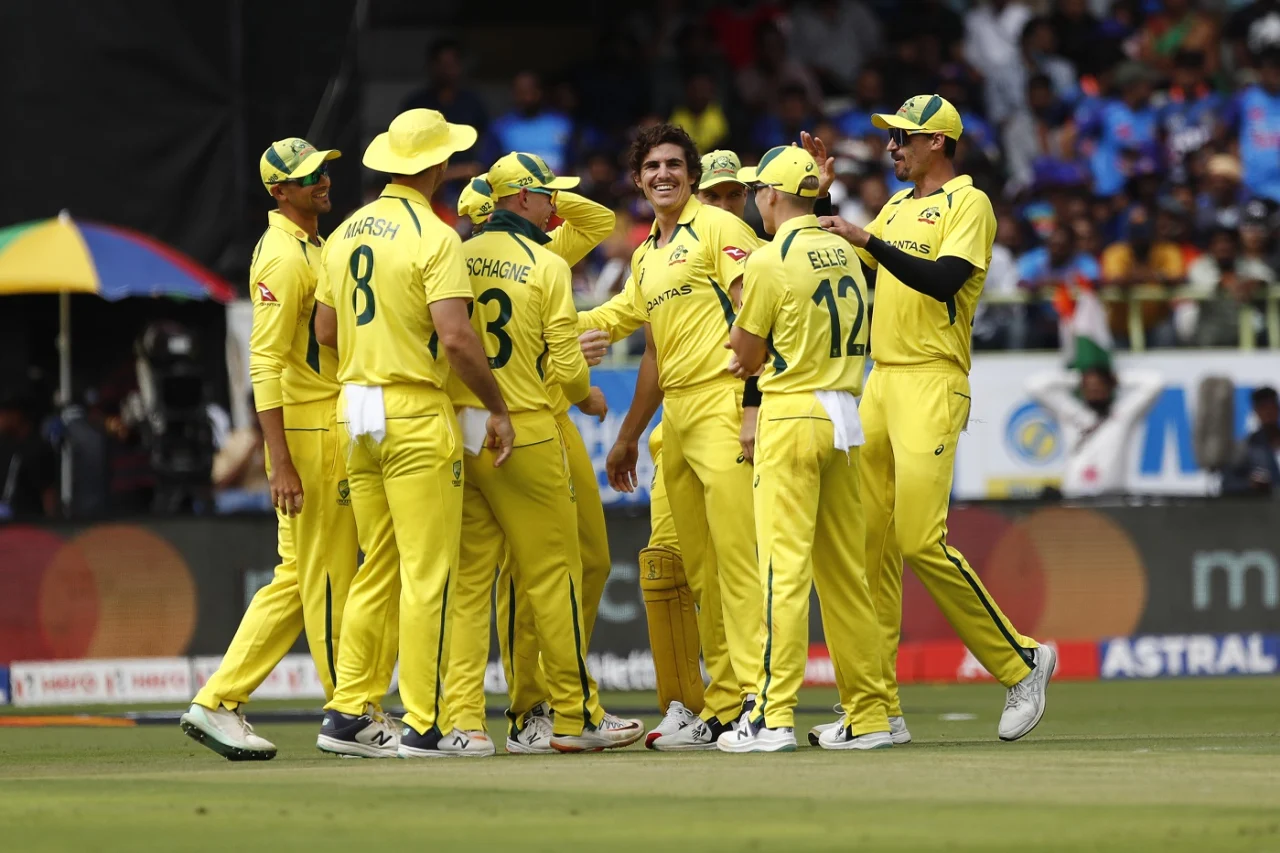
930 246
585 225
295 388
671 614
687 282
393 296
803 319
524 304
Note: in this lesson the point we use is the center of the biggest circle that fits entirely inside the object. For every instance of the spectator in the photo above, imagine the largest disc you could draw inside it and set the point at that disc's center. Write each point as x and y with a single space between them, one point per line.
1036 132
1057 262
448 93
1256 122
603 182
1222 196
532 128
993 32
1257 244
1225 282
978 148
1173 225
1257 467
872 195
1087 238
240 472
783 126
701 115
28 466
1141 260
868 99
760 84
1252 31
1122 123
735 24
835 38
998 327
613 83
1189 111
1038 49
1077 31
1179 27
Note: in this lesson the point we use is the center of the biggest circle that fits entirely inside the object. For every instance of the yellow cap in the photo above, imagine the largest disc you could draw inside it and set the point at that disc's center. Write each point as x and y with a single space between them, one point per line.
719 167
291 159
519 171
476 200
784 168
416 141
923 114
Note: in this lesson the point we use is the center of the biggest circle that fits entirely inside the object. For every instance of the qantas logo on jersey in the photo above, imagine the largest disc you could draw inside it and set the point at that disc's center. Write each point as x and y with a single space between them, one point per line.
911 246
734 252
674 292
265 295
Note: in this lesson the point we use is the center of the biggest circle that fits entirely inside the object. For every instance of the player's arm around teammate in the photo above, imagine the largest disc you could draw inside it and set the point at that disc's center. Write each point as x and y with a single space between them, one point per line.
804 299
295 392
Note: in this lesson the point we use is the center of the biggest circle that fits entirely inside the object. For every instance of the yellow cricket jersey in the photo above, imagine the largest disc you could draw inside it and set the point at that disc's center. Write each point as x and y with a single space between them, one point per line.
524 315
286 364
954 221
682 291
805 293
381 268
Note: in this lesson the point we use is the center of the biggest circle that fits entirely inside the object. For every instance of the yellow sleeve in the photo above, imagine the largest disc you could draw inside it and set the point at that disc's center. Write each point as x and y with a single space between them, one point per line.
565 363
586 225
444 272
761 295
970 230
278 291
732 240
324 287
619 316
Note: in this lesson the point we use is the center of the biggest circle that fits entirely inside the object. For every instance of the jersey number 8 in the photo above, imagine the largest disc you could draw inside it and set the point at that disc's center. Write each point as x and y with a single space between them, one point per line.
365 254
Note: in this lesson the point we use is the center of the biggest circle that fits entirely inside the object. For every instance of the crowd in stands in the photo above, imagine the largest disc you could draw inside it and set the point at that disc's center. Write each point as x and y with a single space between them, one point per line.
1134 142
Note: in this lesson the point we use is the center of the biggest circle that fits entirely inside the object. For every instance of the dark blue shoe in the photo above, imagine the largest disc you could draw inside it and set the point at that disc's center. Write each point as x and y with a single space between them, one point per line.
456 744
370 735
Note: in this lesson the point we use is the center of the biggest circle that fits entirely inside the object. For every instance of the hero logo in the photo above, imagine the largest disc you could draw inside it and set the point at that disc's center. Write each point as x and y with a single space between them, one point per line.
1236 566
1181 655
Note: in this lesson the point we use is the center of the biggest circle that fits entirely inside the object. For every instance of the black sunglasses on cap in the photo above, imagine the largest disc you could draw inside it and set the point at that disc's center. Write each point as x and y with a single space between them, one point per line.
900 136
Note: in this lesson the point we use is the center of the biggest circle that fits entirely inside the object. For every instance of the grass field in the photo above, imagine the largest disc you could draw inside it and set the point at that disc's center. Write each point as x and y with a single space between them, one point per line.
1178 765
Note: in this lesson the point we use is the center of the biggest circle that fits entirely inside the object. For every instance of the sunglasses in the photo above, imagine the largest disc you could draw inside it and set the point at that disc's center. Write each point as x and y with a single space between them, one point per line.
552 194
900 136
312 179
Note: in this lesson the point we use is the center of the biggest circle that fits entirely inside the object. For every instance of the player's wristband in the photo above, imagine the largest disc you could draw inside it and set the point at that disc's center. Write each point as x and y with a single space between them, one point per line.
751 396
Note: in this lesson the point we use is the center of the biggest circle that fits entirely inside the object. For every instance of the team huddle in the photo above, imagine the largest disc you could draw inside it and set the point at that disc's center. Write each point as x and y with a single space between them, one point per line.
414 389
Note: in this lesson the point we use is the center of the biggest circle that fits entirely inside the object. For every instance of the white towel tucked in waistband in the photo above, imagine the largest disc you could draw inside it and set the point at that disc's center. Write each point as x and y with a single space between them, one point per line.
366 412
474 423
842 408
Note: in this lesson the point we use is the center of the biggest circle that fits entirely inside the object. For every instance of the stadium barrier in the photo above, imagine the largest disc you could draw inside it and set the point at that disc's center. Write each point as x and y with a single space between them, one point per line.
138 612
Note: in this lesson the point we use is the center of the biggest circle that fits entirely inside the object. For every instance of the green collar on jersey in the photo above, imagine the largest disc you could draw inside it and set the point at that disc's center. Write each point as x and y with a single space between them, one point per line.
505 220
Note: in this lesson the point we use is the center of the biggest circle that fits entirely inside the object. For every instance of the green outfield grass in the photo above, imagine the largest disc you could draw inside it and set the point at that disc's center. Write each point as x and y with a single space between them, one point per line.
1179 765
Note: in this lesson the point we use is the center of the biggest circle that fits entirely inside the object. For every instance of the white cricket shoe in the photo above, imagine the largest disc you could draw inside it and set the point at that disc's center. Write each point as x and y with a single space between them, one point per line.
1024 705
612 733
816 732
678 717
226 733
370 735
472 743
898 730
756 737
534 738
840 737
701 735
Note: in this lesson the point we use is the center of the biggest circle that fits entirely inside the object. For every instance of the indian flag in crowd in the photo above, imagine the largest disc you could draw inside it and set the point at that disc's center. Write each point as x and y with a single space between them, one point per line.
1083 326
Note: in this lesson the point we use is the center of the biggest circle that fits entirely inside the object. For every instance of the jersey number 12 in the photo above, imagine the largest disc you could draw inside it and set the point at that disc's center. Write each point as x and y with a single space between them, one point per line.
825 296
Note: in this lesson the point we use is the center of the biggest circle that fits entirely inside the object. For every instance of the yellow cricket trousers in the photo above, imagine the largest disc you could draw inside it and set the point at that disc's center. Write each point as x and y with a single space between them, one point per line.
912 417
318 556
406 491
709 488
528 503
473 594
809 526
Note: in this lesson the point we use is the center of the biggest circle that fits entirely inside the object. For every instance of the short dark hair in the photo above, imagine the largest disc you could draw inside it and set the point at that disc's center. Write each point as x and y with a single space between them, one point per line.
664 134
1265 394
949 148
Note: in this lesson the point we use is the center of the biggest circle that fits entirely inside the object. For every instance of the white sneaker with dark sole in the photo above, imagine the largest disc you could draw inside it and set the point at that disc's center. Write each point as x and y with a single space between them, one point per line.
370 735
702 735
1024 705
226 733
842 737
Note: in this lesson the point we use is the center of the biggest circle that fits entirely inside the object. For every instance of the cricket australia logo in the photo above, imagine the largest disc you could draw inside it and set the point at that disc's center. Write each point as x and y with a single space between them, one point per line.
679 256
929 216
457 473
344 493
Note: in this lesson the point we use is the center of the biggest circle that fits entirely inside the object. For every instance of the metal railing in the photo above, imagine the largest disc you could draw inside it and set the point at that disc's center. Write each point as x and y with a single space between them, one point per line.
1133 297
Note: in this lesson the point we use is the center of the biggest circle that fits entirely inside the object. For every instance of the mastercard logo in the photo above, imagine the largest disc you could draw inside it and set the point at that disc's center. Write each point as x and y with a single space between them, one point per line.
113 590
1069 573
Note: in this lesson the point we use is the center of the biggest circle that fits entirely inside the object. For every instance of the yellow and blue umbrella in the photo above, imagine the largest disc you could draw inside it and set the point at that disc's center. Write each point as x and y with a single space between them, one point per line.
61 255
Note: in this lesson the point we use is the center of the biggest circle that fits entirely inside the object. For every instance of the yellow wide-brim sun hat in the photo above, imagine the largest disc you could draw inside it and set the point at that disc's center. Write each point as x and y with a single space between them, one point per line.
415 141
